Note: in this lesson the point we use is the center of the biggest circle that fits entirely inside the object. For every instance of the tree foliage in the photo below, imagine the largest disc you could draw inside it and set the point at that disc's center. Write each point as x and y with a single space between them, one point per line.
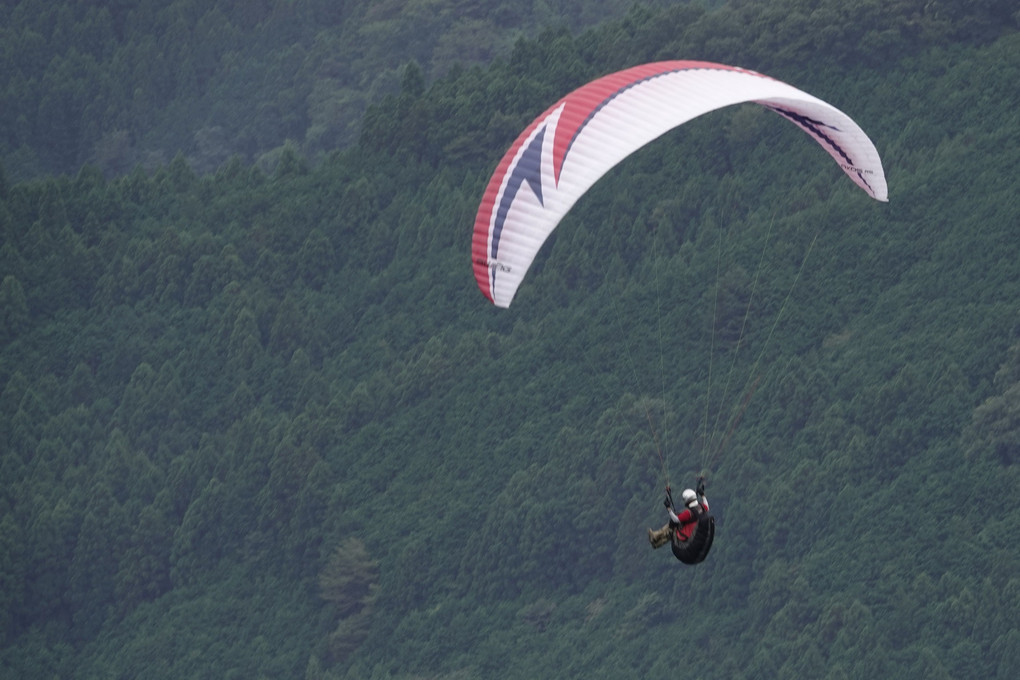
258 420
126 84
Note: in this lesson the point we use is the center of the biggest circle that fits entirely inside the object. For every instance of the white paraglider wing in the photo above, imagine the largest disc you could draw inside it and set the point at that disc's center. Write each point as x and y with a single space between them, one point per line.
581 137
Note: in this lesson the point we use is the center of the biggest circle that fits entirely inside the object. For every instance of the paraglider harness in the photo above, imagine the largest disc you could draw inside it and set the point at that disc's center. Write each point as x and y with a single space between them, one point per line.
694 549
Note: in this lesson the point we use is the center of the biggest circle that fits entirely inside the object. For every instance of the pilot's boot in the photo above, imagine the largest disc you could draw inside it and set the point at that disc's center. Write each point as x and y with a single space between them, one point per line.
659 538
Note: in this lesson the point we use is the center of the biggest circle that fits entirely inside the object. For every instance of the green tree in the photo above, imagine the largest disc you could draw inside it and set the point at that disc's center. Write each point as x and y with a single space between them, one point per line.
14 315
996 422
143 571
92 571
1007 650
316 260
13 567
348 581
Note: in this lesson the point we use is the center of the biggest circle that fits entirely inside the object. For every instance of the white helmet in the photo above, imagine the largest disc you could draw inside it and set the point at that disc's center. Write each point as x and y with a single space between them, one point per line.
689 496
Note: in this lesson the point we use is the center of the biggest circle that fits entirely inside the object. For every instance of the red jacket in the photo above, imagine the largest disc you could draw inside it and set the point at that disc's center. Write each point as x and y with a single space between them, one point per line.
688 521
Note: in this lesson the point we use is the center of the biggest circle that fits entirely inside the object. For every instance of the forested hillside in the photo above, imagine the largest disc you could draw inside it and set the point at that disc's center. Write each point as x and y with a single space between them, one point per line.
119 84
259 421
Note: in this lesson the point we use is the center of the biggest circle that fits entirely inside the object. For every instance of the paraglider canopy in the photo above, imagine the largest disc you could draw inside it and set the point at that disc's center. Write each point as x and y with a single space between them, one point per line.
564 151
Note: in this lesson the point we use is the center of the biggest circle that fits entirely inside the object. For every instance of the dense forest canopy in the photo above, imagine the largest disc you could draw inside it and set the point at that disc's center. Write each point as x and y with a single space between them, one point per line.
118 84
257 420
121 84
